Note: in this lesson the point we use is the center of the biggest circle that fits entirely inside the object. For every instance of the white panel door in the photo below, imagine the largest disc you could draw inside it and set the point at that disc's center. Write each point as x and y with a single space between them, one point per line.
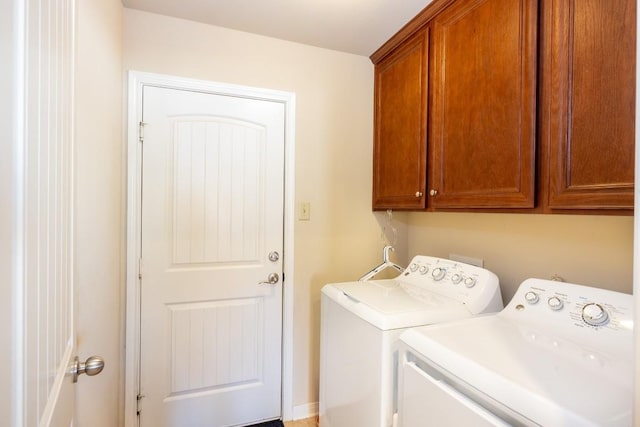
212 213
46 209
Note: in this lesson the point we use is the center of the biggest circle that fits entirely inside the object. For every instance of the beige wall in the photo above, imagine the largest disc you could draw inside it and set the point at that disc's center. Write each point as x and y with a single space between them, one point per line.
334 116
99 225
589 250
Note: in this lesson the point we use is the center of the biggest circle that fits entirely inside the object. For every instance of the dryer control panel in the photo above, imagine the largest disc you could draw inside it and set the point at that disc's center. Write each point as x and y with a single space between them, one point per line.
577 312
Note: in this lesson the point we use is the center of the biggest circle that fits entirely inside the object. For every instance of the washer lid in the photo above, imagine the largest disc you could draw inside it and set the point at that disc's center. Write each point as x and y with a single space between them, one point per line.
386 305
545 379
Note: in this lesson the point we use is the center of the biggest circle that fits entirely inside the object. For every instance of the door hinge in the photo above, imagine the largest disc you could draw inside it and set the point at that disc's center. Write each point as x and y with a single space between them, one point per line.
138 402
139 268
141 126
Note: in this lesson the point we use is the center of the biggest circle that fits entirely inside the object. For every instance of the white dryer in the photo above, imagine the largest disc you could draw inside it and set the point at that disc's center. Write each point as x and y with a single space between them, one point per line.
361 323
559 354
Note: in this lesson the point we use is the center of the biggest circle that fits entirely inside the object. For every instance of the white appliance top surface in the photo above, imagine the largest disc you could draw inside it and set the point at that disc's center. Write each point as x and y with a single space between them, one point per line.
388 297
555 371
430 290
387 306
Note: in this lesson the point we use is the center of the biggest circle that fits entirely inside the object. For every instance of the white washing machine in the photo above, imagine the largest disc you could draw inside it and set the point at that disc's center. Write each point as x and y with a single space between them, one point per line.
361 323
558 355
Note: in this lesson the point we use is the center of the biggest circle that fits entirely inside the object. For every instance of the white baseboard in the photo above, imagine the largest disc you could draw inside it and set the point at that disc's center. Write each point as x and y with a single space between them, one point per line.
308 410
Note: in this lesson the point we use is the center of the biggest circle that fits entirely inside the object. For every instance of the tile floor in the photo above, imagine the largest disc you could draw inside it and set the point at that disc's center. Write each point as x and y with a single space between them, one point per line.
307 422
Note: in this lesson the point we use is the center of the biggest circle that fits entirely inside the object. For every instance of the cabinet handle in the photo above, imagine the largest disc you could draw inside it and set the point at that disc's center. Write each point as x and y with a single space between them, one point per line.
433 192
418 193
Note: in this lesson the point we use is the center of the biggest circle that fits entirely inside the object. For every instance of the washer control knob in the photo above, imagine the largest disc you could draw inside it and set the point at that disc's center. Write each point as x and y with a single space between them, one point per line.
594 315
438 273
470 282
424 269
413 267
555 303
531 297
456 278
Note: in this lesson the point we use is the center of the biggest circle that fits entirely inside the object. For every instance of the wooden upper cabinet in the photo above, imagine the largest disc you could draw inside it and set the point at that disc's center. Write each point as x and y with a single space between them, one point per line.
469 92
482 125
399 155
588 96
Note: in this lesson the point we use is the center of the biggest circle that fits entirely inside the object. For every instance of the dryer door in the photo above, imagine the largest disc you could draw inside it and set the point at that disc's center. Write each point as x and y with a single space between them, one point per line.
423 398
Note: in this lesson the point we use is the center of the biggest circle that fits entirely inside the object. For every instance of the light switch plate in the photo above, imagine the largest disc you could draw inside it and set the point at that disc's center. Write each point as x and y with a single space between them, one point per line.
305 211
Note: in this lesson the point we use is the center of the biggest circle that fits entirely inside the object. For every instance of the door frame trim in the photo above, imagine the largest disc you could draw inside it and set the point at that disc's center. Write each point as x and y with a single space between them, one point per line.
136 82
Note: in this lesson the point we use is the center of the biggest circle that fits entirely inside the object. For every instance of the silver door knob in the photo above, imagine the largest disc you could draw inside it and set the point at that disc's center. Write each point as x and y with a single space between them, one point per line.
272 279
92 366
274 256
418 193
433 192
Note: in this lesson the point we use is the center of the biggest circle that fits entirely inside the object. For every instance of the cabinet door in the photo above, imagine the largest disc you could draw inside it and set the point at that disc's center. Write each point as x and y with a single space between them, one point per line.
589 100
482 119
399 154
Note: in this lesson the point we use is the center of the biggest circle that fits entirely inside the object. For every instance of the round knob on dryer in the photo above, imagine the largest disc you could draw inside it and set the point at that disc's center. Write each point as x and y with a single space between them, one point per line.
413 267
594 315
470 282
438 273
555 303
531 297
456 278
424 269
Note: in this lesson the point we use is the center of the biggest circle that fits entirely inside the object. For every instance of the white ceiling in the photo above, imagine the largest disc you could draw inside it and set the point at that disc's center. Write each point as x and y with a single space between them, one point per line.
354 26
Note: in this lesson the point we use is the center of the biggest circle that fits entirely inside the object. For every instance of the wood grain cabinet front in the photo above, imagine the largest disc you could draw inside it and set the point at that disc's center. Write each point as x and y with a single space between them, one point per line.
588 110
483 105
400 160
